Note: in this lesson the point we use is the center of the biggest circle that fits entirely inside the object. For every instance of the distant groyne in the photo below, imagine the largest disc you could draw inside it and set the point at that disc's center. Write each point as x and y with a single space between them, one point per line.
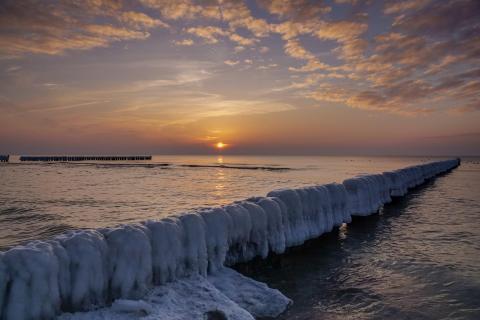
84 158
84 269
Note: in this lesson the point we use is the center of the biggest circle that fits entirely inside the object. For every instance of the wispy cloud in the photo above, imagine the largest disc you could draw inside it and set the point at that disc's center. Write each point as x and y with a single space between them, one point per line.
231 62
183 42
67 107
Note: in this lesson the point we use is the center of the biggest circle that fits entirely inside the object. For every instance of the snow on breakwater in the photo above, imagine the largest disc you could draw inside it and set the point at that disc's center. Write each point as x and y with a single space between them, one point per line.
85 269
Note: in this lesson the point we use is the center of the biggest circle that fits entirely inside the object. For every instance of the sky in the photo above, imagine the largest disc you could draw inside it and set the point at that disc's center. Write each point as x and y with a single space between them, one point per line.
338 77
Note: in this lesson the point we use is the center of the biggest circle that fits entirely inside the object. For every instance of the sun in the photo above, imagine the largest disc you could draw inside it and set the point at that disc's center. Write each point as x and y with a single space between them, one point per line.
220 145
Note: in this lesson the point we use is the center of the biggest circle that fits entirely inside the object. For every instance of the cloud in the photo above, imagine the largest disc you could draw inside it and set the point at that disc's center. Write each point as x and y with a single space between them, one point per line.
291 29
340 30
441 17
395 7
112 33
369 100
13 69
300 9
238 49
141 20
56 26
235 13
314 80
231 62
311 66
211 33
224 107
208 33
294 49
401 98
352 49
346 33
264 49
346 1
329 93
444 62
185 9
12 46
183 42
423 43
469 107
268 66
238 15
408 96
242 40
68 106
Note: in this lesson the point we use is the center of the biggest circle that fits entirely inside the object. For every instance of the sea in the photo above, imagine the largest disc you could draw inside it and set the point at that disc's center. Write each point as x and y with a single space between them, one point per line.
419 258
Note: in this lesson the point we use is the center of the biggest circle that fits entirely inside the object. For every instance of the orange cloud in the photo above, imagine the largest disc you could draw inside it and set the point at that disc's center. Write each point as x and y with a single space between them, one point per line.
295 50
208 33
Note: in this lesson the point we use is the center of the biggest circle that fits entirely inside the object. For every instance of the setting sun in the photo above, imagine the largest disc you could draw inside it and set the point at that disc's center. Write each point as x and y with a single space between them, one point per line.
220 145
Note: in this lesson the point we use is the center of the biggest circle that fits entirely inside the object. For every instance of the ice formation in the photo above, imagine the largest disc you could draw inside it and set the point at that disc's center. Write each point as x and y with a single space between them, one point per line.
178 266
188 297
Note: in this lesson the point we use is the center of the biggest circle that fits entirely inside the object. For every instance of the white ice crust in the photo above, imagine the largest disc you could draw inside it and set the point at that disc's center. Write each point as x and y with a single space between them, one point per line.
176 267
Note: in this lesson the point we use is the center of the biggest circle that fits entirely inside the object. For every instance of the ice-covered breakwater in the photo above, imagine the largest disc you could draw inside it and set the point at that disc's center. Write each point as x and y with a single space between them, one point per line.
84 158
164 259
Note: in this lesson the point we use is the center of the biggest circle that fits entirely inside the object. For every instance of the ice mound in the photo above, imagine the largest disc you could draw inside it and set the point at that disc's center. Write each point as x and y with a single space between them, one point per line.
175 268
255 297
227 292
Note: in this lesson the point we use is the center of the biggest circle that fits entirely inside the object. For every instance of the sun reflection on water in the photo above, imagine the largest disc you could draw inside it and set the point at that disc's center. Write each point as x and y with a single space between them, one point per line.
220 176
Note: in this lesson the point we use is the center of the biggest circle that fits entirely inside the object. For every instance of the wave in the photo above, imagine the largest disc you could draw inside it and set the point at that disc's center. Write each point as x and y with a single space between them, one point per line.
241 167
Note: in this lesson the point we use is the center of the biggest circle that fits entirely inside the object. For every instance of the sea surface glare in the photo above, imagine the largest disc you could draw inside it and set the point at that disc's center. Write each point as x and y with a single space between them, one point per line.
418 259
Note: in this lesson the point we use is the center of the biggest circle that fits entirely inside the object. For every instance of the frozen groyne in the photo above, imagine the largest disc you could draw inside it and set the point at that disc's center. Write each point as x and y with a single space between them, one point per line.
177 267
83 158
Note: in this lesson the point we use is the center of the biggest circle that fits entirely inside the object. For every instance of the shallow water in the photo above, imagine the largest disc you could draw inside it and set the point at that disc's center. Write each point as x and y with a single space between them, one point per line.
418 259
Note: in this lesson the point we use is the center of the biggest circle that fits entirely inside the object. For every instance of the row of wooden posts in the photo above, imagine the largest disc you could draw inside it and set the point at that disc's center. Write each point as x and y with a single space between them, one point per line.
5 158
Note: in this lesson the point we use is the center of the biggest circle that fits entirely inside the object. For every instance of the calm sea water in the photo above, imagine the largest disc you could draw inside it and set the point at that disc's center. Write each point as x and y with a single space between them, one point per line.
418 259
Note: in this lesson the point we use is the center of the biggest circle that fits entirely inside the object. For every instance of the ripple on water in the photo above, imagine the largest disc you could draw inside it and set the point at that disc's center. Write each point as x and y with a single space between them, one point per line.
22 220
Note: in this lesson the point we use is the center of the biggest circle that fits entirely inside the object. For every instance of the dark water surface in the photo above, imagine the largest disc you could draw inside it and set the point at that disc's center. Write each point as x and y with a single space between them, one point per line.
418 259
